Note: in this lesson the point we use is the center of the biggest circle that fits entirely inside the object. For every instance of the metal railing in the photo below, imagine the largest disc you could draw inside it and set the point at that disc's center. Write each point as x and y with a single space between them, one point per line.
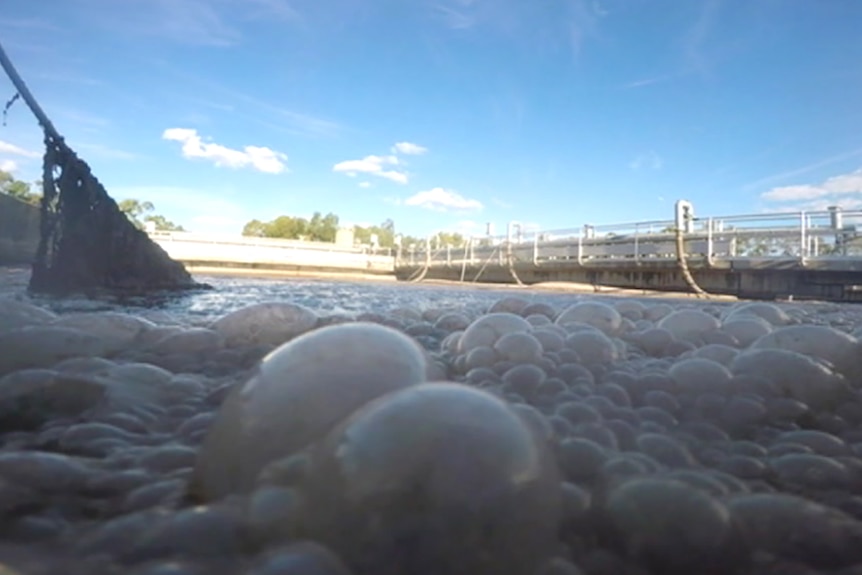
798 236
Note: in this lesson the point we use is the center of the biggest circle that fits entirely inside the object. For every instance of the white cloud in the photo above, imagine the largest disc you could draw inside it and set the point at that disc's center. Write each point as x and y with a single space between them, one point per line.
647 161
409 149
364 184
793 193
8 166
374 165
439 199
7 148
839 185
260 158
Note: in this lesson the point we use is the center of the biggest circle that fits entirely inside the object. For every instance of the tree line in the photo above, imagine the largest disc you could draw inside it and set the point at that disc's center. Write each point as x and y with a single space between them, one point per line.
138 212
324 228
319 228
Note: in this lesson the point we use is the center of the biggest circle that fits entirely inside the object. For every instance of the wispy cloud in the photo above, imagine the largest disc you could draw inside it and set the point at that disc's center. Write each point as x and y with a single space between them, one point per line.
373 165
456 18
66 77
502 203
409 149
85 121
649 81
581 22
696 37
269 9
248 106
194 22
259 158
8 166
774 178
441 200
569 25
647 161
7 148
102 151
211 23
29 24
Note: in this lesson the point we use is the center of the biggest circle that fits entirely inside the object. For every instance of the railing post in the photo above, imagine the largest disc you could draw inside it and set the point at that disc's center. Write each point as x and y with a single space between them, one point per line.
637 244
710 247
580 250
509 243
448 255
428 251
536 249
803 241
472 254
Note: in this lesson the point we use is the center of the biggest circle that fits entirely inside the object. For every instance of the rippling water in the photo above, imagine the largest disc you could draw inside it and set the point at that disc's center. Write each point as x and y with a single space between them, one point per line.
323 296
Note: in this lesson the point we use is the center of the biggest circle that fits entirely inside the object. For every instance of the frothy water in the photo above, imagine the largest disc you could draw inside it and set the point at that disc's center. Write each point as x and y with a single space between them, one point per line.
291 426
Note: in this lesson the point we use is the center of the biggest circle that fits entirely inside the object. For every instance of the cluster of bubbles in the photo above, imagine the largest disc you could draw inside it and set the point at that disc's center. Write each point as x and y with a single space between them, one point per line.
600 437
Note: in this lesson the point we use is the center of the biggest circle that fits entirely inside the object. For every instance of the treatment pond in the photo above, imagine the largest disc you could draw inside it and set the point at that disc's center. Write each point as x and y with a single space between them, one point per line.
272 427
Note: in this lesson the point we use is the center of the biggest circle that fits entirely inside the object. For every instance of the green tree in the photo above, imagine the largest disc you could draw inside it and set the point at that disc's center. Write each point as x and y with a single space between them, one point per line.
139 213
163 224
453 239
255 229
19 189
320 228
135 210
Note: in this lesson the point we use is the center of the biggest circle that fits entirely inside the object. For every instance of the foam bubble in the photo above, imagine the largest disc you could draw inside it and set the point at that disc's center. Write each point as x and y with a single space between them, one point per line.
300 391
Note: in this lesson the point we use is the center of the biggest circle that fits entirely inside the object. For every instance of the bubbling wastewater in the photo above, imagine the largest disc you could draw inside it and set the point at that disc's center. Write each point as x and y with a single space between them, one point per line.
528 434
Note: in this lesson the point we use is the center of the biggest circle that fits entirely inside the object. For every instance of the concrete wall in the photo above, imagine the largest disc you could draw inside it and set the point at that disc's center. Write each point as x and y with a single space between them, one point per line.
19 231
746 282
198 250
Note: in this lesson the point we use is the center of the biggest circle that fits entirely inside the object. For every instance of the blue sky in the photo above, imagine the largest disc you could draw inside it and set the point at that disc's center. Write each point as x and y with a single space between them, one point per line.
446 114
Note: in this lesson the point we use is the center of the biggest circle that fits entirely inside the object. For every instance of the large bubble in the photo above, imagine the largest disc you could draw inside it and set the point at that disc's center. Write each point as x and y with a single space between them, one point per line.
699 375
44 346
797 375
689 324
669 523
746 329
485 331
300 391
599 315
841 350
436 479
16 314
766 311
270 323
